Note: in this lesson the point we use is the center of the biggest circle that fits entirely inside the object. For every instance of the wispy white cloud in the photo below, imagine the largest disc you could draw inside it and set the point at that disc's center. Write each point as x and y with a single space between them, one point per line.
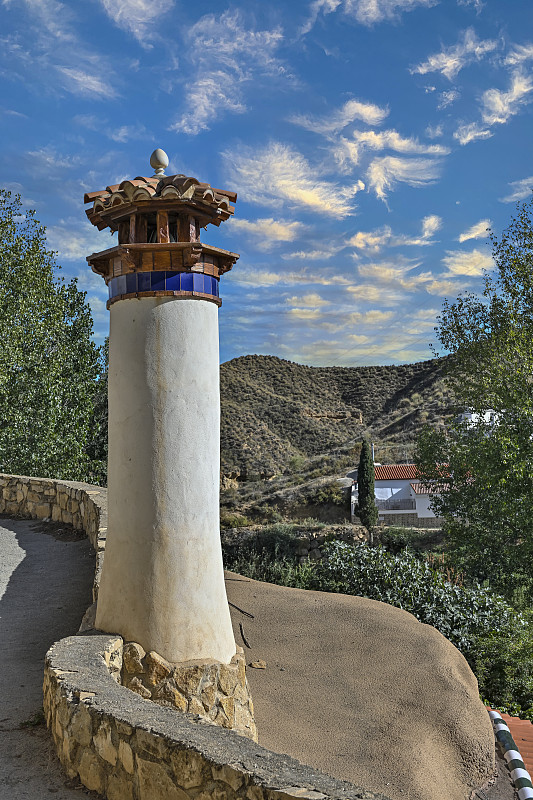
448 98
434 131
519 54
311 300
366 12
384 173
86 84
336 121
267 232
318 253
471 132
477 231
142 18
265 278
279 174
519 190
383 140
225 55
374 241
451 60
51 45
498 106
474 263
477 4
128 132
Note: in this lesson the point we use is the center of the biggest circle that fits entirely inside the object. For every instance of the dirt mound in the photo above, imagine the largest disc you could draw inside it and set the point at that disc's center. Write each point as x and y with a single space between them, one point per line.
362 691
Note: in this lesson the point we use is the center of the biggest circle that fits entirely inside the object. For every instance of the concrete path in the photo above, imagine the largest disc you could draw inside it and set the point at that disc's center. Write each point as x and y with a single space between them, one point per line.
45 587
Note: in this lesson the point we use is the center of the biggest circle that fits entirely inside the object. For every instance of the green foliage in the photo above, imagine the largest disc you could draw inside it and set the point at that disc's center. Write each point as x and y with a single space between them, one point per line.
367 510
48 362
486 491
228 520
503 665
331 493
461 614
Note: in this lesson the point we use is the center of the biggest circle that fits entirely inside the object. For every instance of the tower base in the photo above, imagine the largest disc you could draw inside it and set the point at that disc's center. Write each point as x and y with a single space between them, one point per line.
212 690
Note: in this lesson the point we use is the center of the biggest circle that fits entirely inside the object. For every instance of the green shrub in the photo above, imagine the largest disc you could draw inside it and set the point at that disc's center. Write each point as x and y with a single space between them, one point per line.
503 665
459 613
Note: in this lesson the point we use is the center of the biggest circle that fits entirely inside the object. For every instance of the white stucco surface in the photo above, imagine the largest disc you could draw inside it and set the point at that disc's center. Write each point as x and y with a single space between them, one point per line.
163 582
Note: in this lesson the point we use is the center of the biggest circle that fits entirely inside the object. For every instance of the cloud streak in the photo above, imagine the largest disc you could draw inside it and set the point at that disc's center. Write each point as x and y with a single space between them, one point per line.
477 231
332 123
225 55
141 18
384 173
451 60
278 174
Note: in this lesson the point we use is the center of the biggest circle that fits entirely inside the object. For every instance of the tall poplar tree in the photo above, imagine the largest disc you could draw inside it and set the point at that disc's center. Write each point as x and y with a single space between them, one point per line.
483 468
368 512
48 361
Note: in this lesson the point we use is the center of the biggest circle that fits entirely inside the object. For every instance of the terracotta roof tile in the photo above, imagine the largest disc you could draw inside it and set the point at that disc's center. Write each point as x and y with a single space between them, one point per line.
395 472
216 202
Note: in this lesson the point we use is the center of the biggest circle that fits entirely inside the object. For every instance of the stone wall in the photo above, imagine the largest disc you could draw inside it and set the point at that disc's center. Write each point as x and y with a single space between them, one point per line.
116 742
81 505
127 748
410 521
215 691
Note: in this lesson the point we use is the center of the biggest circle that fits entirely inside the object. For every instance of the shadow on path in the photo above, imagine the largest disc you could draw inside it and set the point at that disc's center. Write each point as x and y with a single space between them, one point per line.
45 587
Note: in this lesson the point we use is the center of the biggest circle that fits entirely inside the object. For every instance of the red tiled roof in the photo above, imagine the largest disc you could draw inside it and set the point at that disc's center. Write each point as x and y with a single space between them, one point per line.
395 472
168 187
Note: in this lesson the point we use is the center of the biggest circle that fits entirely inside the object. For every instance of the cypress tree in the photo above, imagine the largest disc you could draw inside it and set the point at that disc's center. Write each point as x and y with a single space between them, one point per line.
368 512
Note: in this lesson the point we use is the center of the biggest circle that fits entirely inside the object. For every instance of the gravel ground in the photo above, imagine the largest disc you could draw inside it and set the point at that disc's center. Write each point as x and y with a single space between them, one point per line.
45 586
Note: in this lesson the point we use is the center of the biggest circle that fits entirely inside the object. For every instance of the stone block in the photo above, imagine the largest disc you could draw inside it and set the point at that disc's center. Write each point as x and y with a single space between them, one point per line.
208 696
66 517
132 658
228 706
119 787
92 772
56 513
195 706
227 678
157 668
189 678
104 745
125 755
166 694
136 686
43 510
81 726
188 768
155 782
228 775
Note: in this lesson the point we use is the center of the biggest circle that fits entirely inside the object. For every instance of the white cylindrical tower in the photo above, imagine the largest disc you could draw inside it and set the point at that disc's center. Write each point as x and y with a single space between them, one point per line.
162 582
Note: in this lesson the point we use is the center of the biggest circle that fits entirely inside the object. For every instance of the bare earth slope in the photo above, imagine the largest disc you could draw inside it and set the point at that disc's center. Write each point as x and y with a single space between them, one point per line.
273 409
363 691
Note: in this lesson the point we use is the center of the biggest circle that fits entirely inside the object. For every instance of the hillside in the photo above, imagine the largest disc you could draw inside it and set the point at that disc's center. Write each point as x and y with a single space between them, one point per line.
275 412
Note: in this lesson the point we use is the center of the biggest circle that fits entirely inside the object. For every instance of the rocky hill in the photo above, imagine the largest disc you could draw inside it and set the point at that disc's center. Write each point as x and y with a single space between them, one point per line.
275 412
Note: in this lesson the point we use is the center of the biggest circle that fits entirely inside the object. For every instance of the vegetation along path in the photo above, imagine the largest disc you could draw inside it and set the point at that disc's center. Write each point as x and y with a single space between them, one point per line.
46 575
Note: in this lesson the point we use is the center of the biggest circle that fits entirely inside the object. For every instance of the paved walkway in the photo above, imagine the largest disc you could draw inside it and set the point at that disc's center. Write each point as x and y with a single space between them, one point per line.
45 587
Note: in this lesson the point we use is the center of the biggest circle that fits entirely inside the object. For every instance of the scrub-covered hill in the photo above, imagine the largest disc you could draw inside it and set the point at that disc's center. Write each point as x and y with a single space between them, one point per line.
275 412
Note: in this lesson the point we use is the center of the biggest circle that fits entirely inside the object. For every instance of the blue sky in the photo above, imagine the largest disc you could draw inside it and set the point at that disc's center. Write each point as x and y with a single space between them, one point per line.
371 143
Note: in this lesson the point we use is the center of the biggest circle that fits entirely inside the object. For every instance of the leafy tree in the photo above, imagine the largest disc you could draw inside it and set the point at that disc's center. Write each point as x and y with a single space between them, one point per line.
48 361
368 512
486 487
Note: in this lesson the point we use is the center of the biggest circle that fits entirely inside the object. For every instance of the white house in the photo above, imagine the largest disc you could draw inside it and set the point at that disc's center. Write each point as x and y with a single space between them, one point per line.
400 497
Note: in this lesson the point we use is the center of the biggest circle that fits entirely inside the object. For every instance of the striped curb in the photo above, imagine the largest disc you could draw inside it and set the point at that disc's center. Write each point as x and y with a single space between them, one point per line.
519 774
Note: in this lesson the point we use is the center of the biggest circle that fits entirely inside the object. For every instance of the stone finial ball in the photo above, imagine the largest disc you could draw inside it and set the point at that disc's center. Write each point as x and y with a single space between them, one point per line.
158 161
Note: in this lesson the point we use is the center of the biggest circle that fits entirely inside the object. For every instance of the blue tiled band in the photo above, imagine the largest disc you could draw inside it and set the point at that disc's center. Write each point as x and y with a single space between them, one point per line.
163 282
